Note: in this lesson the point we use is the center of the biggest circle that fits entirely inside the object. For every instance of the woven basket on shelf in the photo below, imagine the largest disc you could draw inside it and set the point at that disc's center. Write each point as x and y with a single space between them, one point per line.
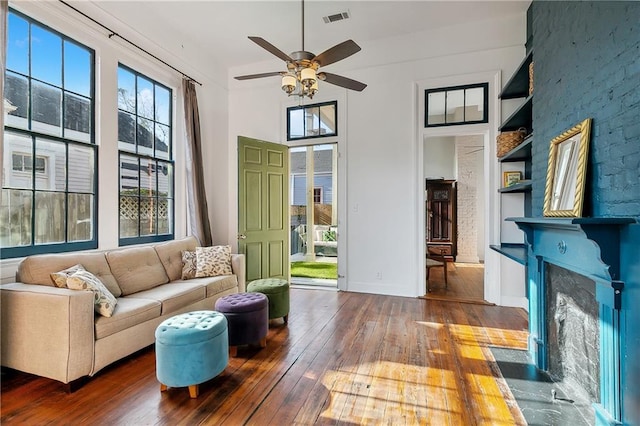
509 140
531 79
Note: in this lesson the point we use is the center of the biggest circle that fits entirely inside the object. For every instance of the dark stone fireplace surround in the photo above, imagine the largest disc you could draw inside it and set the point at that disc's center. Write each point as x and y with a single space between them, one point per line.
590 247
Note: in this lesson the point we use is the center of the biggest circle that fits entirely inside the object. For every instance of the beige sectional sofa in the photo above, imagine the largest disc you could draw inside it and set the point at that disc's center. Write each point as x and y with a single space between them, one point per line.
53 332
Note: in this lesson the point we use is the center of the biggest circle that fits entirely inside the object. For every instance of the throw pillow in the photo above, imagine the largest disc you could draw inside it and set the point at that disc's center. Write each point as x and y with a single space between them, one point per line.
213 261
104 302
189 265
329 236
60 278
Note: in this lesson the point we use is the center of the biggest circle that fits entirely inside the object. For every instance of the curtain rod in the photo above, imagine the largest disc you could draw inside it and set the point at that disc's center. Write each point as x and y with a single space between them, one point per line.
115 34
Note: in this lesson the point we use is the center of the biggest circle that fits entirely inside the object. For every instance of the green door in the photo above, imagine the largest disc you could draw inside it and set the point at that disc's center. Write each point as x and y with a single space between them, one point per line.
263 226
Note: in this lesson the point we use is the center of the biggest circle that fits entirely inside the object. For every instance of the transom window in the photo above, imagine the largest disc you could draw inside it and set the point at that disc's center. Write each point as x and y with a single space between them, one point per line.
457 105
49 193
146 165
312 121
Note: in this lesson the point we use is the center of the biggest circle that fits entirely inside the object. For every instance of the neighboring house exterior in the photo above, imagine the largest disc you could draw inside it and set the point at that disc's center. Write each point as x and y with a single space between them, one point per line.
323 177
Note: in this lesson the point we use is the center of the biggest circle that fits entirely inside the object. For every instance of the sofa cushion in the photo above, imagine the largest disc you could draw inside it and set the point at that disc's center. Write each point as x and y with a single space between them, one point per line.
189 265
175 295
103 301
137 269
213 261
170 254
128 312
37 269
215 285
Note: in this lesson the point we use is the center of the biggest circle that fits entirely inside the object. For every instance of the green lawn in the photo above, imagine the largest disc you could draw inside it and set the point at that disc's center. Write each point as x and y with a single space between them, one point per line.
315 270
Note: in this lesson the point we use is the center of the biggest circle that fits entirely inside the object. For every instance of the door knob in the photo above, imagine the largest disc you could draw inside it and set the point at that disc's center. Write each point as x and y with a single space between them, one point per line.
242 237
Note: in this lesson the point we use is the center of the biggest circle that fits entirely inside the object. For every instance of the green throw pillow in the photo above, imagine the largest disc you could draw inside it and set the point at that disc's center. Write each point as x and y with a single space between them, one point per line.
328 235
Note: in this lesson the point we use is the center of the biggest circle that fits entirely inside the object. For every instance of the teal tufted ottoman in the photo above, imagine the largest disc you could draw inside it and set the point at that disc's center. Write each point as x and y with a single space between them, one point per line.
277 291
191 348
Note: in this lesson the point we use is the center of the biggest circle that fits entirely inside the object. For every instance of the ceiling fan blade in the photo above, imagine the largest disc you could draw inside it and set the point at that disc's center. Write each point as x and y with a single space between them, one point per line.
337 53
341 81
264 74
270 48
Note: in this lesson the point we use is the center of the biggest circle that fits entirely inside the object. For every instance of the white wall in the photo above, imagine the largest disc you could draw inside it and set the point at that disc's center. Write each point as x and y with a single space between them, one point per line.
470 207
383 190
440 157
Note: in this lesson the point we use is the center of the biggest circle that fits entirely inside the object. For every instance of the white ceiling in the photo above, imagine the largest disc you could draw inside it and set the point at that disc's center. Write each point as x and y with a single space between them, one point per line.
218 30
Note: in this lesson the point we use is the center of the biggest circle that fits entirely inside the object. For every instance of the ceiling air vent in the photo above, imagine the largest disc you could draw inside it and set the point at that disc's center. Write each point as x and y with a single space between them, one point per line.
336 17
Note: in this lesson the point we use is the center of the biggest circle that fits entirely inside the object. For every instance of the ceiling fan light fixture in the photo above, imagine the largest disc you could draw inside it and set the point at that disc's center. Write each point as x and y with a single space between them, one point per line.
289 83
308 77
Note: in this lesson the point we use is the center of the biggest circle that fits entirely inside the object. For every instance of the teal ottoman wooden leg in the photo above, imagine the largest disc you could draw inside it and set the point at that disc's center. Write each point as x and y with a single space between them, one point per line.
191 348
277 291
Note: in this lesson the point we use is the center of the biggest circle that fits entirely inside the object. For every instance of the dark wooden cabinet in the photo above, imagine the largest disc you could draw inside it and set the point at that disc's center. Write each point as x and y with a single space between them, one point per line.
441 219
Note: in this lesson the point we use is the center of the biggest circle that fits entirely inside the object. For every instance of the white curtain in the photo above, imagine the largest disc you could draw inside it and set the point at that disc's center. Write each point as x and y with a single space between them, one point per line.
197 209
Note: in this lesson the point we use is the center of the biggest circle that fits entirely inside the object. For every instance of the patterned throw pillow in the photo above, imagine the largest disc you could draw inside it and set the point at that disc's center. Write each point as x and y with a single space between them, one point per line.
329 235
104 301
189 265
213 261
60 278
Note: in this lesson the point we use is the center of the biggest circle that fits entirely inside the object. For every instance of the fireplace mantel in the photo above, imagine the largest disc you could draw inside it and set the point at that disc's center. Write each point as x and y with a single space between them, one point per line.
590 247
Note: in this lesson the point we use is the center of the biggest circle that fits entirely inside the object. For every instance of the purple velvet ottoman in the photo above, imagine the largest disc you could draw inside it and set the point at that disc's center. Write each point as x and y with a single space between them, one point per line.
247 317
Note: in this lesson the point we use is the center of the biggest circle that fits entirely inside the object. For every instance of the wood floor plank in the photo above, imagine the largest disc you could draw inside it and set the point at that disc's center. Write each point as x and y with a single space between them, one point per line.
344 358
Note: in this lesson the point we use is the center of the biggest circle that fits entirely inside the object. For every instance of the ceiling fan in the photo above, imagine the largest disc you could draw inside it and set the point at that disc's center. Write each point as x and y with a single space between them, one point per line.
301 77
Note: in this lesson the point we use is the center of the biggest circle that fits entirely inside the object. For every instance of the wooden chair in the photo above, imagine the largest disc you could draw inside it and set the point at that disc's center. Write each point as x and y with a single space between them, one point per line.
432 263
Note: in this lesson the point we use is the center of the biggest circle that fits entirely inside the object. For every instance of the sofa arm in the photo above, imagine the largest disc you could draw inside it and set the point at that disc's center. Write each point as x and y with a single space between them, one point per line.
47 331
238 264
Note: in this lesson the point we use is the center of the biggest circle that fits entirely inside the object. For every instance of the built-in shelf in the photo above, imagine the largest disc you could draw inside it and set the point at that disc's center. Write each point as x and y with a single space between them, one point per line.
521 152
521 117
518 84
516 252
516 187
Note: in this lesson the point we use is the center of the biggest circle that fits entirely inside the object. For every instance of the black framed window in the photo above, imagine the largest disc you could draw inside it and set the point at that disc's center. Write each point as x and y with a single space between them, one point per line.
456 105
146 167
312 121
49 193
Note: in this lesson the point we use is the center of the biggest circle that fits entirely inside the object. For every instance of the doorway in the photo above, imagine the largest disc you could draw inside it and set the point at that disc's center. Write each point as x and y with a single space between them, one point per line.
314 215
455 162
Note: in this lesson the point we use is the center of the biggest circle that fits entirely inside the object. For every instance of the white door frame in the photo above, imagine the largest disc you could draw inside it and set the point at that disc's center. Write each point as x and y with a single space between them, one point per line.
492 284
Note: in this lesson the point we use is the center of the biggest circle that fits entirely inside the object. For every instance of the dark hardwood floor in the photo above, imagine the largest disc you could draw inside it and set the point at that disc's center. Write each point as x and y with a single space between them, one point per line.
344 358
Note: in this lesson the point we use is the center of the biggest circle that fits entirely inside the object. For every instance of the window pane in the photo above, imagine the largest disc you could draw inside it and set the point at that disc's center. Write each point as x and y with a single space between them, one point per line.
328 120
147 177
46 56
18 148
17 44
128 217
162 141
129 175
148 210
435 108
455 104
126 132
165 212
15 218
16 91
474 104
165 179
145 98
126 90
49 217
163 103
312 121
46 108
296 123
77 69
77 117
81 168
145 136
80 217
53 154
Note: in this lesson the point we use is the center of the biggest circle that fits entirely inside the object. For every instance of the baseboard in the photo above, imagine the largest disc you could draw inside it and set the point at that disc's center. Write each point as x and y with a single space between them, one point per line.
515 302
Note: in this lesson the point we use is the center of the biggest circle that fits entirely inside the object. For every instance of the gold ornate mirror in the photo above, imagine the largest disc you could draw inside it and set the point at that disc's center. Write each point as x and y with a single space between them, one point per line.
566 172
